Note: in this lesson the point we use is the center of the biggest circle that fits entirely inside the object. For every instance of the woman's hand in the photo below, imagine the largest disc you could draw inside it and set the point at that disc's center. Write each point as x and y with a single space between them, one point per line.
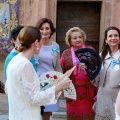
62 84
83 66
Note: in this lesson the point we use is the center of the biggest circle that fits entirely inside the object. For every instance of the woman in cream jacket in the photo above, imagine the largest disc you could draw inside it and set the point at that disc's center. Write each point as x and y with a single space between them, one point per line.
109 78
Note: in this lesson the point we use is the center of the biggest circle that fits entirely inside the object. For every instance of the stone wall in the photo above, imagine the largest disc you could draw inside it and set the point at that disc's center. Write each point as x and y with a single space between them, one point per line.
32 10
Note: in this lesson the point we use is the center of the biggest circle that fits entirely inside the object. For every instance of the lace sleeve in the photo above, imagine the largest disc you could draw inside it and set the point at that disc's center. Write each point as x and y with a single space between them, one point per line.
31 87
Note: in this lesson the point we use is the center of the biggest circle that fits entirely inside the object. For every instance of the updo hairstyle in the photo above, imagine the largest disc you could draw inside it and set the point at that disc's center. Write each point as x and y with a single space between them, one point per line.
27 36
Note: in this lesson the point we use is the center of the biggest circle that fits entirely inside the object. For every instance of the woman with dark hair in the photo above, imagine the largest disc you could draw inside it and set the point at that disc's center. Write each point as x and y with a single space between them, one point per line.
22 85
109 79
48 57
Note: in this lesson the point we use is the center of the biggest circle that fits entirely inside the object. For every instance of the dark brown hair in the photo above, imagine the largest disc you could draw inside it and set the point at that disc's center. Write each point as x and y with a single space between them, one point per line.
106 48
46 20
14 33
27 36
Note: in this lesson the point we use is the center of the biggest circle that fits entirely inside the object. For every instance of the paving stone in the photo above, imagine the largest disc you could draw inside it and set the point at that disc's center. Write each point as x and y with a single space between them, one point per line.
3 107
4 117
3 104
59 116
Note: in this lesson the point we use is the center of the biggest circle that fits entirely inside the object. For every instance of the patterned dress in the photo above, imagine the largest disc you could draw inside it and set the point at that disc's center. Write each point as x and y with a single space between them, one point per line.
81 108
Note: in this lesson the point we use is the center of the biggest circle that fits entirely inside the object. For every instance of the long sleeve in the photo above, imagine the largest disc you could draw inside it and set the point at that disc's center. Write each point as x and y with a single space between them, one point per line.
24 94
31 87
62 62
56 57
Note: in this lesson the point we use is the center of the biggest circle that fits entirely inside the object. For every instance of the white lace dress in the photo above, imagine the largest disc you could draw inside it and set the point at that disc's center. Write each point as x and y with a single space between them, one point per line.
23 89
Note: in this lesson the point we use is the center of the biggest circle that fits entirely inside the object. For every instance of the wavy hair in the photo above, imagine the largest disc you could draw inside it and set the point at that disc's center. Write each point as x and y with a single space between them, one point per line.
46 20
70 31
105 47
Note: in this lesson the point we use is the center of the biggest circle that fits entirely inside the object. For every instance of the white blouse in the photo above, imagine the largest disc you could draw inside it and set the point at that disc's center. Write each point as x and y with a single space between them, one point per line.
23 88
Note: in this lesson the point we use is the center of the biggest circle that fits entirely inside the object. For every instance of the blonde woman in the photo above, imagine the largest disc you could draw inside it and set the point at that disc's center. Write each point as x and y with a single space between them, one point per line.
81 109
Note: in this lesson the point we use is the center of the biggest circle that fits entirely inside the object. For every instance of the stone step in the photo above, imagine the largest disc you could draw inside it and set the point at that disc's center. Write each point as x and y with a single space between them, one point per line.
4 117
59 116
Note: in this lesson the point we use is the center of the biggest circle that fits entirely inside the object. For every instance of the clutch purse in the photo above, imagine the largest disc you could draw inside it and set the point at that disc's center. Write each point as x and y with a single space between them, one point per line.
51 78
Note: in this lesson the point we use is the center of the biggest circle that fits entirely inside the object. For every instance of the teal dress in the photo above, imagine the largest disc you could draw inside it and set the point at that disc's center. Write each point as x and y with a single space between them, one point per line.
9 58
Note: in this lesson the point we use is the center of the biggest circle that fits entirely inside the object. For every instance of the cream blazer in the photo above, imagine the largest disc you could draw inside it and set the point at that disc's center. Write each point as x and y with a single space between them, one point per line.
114 77
56 58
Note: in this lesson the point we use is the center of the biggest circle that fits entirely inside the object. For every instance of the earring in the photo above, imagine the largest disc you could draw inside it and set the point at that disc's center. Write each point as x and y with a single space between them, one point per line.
106 44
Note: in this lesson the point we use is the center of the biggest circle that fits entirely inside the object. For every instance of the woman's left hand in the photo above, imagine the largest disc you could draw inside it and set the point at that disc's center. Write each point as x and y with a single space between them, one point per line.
83 66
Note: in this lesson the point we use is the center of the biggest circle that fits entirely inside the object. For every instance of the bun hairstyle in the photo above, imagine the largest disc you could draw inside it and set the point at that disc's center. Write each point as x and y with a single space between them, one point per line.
27 36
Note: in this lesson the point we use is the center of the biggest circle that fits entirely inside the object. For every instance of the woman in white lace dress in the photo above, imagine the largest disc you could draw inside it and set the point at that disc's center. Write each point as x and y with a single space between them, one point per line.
23 88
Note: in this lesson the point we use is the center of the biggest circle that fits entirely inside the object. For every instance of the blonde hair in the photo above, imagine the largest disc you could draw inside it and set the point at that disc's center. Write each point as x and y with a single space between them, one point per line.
70 31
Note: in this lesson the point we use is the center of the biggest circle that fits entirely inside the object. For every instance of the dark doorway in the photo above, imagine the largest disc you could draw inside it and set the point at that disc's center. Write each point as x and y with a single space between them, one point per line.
85 15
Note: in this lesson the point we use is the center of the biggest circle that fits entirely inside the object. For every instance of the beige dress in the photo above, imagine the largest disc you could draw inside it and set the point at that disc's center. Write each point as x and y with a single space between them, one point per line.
108 90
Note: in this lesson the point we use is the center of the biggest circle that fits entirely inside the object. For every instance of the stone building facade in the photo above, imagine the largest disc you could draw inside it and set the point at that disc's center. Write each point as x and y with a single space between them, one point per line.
109 12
